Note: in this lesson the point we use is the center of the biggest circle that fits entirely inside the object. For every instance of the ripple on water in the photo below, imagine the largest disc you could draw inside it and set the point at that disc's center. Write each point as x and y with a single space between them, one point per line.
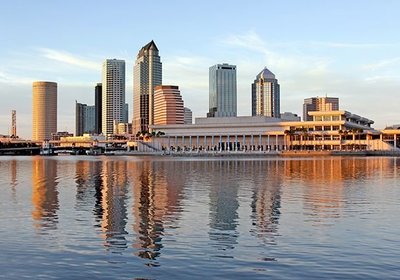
166 218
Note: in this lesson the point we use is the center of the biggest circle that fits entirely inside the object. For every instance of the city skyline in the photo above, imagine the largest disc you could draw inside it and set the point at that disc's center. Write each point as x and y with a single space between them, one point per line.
316 49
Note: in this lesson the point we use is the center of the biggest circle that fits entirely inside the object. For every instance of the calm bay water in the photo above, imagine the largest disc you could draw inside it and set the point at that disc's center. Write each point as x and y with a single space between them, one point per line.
178 218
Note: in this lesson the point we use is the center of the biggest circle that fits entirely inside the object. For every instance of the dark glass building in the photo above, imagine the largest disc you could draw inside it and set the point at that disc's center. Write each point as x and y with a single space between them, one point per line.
97 104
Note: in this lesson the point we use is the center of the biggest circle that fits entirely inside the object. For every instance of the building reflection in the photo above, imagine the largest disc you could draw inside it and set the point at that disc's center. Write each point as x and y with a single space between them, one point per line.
13 179
8 169
89 184
223 205
266 199
157 188
114 190
326 182
44 193
323 180
83 178
98 192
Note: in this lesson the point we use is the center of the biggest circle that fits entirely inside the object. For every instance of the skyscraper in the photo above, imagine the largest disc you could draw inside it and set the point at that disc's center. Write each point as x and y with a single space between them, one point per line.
97 103
44 110
90 119
125 113
188 116
13 123
168 105
79 118
84 119
265 92
113 94
147 75
319 104
222 91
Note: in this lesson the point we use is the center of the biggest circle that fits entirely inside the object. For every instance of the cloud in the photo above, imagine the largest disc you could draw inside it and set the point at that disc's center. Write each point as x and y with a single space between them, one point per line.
7 78
251 41
393 79
68 58
187 70
382 64
342 45
277 58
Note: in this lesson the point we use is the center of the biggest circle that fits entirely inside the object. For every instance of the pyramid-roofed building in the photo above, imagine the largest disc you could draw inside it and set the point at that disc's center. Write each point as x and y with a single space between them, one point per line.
265 74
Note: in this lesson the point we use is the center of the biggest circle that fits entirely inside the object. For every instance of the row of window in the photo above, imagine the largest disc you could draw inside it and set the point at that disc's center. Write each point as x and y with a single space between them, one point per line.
326 118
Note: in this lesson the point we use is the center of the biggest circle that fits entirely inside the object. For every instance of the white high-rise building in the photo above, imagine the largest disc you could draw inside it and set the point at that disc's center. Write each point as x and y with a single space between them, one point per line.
113 94
147 75
222 91
265 95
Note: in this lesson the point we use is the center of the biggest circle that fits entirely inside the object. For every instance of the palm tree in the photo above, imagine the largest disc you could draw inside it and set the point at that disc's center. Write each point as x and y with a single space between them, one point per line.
355 132
360 131
160 133
304 132
289 133
341 133
139 135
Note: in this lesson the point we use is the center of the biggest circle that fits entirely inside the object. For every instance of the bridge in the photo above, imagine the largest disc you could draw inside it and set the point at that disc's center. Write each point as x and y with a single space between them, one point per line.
75 146
28 147
20 151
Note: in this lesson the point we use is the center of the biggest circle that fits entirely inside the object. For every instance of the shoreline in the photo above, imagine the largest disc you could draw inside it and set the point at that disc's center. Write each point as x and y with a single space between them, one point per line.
263 154
249 154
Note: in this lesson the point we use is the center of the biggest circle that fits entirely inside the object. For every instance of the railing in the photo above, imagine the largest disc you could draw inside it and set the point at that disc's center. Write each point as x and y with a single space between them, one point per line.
149 146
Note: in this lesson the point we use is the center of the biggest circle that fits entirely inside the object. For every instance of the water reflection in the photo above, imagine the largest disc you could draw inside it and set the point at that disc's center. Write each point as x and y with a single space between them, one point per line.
266 200
157 194
8 171
324 181
228 210
330 183
14 181
113 201
98 191
89 186
223 204
44 193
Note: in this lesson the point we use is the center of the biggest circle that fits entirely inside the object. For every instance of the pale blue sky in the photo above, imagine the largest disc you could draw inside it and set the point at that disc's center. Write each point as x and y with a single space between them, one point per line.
348 49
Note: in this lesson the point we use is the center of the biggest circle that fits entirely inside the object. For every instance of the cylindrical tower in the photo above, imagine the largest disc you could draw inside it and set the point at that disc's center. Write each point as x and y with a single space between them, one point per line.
44 110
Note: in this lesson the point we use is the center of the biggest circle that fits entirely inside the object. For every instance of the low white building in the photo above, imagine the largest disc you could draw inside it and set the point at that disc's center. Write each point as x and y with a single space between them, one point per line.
330 130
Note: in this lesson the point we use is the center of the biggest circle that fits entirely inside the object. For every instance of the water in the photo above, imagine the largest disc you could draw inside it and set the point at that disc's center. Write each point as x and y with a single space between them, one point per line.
178 218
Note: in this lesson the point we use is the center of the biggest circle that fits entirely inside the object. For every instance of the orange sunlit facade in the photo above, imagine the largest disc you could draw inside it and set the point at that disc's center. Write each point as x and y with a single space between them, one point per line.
168 105
44 110
44 193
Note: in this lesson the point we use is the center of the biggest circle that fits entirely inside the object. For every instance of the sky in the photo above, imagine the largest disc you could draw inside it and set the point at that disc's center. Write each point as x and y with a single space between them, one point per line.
345 49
